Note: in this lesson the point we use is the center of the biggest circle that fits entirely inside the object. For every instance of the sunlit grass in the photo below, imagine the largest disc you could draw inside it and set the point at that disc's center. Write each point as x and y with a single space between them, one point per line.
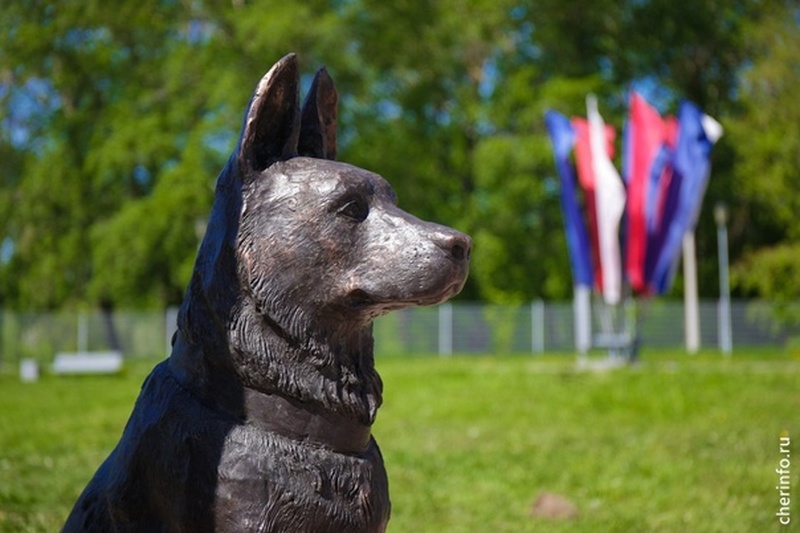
689 445
676 443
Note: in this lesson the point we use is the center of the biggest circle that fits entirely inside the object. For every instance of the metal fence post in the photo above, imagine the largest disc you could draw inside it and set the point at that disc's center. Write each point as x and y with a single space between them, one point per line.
83 332
446 329
537 326
170 327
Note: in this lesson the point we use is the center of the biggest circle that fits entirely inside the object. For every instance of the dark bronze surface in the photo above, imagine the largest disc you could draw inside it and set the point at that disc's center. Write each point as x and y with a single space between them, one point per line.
260 418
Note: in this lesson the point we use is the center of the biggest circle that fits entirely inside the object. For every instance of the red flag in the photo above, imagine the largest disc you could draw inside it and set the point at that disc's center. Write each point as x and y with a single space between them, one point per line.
583 163
646 135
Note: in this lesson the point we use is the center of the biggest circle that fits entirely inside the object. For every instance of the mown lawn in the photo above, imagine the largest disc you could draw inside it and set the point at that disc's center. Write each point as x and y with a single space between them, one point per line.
677 443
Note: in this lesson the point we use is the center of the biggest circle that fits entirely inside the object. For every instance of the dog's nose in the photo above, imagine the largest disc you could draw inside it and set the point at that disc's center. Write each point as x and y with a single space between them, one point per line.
455 243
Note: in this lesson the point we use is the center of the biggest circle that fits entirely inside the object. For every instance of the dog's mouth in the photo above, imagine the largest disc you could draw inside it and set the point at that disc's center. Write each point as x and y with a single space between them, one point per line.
359 299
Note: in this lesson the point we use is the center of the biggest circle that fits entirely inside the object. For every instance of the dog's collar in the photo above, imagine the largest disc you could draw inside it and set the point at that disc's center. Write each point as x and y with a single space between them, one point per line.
300 422
271 412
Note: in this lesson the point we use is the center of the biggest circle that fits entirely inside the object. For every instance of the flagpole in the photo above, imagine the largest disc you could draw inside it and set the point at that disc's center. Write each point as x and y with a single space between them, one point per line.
724 309
563 136
691 311
582 307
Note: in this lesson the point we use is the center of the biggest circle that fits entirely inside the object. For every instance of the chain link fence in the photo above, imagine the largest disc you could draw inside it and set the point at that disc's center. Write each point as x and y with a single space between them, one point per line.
535 328
542 327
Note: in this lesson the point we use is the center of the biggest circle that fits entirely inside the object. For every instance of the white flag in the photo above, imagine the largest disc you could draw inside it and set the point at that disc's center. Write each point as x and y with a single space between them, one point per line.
609 193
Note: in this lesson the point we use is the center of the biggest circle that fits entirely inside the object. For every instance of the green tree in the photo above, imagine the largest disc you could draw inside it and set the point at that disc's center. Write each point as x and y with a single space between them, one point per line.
143 100
117 117
78 79
767 136
452 114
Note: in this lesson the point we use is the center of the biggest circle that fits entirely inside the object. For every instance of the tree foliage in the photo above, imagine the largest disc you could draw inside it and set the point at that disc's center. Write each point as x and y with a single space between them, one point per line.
767 136
116 118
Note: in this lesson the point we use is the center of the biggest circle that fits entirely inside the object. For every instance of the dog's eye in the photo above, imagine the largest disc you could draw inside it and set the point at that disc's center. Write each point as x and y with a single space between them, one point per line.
355 209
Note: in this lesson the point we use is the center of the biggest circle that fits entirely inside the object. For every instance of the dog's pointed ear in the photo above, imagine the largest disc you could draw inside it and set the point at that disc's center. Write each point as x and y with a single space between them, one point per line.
318 126
272 123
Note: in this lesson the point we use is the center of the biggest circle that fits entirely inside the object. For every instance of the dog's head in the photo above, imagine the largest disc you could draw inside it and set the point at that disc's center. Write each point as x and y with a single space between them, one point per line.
302 252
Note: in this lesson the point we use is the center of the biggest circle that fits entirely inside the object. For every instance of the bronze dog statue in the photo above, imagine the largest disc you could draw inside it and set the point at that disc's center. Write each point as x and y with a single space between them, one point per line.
260 418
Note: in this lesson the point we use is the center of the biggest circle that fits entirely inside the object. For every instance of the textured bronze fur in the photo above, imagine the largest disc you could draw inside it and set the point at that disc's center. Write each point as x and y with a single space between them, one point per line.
260 418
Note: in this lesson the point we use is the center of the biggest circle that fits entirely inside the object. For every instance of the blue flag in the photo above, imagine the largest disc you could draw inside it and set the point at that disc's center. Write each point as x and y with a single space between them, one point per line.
691 163
562 136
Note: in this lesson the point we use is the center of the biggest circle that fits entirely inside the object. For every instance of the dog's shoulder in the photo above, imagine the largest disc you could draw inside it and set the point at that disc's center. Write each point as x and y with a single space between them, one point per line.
163 467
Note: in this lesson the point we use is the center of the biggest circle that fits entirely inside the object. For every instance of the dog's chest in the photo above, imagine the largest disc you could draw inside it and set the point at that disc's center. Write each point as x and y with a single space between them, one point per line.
270 483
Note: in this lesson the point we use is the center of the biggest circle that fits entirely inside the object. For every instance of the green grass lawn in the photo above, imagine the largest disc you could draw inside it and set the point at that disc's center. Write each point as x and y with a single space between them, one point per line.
675 444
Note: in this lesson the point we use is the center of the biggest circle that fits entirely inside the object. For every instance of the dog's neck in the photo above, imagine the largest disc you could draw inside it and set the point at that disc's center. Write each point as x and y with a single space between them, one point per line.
305 359
257 369
301 422
291 419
